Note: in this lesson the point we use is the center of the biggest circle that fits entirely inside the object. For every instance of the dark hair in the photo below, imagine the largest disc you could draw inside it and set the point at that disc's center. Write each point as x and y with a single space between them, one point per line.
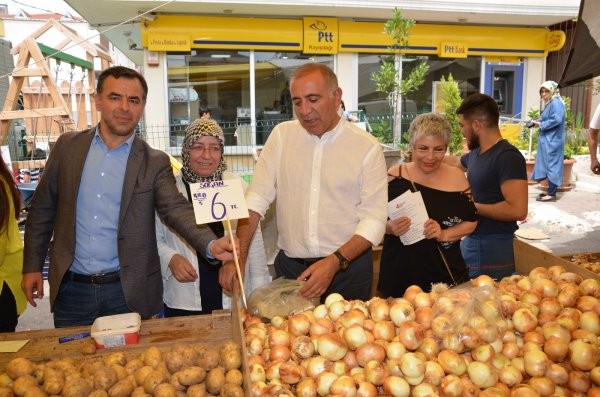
4 196
204 109
121 71
482 107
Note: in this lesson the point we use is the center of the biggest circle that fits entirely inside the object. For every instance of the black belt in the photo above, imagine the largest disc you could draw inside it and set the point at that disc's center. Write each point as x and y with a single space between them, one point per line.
100 278
306 261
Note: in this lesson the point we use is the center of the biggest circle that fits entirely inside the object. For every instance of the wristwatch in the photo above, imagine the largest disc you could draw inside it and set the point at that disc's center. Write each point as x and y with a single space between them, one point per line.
344 263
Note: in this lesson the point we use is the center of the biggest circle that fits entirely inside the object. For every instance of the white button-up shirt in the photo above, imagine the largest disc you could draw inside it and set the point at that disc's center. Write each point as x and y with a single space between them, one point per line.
327 188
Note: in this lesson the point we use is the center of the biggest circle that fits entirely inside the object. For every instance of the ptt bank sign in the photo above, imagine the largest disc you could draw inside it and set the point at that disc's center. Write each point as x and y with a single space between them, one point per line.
320 35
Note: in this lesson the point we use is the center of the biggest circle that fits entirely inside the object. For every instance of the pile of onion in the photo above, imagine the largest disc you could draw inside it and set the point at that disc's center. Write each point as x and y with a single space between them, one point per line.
533 335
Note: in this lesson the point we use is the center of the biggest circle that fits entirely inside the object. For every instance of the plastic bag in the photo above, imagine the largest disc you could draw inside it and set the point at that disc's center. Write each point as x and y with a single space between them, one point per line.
279 298
467 317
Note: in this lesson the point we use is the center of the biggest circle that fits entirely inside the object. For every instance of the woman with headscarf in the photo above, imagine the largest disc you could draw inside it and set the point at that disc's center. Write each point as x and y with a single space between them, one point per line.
551 141
192 285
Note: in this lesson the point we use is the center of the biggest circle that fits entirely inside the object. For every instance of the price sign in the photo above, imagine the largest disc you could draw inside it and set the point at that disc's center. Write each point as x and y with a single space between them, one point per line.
217 201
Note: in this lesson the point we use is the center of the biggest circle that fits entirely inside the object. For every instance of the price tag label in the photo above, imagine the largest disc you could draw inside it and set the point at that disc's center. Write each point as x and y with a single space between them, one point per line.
216 201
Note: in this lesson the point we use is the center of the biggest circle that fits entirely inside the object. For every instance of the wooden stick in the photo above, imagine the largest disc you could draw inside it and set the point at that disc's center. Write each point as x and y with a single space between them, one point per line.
237 263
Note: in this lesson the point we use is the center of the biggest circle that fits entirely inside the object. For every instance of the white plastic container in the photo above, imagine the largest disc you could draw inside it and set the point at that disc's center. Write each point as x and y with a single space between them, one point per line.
116 330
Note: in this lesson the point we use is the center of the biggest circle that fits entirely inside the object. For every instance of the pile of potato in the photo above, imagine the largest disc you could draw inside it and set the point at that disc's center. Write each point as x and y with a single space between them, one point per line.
588 261
186 369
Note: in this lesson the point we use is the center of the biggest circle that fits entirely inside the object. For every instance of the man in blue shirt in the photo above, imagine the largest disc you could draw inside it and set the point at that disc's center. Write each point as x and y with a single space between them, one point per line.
97 200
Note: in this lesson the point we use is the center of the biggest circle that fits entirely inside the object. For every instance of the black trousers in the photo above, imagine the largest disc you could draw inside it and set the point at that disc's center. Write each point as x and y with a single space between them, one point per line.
8 310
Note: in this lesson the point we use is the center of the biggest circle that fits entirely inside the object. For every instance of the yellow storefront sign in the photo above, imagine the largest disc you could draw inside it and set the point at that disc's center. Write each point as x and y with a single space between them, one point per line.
452 50
170 42
320 35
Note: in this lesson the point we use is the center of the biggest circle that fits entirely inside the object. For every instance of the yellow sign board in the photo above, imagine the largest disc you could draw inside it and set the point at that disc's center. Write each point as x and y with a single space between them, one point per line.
320 35
556 40
452 50
169 42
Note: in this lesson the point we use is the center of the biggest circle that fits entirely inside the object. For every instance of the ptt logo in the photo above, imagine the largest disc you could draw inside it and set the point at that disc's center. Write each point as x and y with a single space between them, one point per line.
322 35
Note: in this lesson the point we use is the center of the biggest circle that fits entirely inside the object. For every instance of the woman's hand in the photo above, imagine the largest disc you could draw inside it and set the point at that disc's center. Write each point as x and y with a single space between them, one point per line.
433 230
398 226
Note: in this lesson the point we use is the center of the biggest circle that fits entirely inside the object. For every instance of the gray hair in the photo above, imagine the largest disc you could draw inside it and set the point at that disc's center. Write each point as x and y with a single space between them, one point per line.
429 124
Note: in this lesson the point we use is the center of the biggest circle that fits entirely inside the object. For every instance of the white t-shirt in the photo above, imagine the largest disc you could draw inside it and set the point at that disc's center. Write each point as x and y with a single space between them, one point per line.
595 121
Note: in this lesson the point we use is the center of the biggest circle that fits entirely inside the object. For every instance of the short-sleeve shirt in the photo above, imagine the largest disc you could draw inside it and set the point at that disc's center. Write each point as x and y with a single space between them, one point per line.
595 122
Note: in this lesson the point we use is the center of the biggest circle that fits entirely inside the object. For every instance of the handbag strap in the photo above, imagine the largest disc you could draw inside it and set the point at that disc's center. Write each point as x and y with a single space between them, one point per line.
436 243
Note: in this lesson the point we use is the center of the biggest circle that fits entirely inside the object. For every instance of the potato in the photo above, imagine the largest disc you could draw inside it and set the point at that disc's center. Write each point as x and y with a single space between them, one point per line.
98 393
88 347
38 373
174 380
116 358
89 368
122 388
215 380
64 364
231 356
120 370
141 374
209 360
234 376
76 387
198 390
133 365
35 392
6 381
191 376
6 391
165 390
153 379
231 390
152 356
174 361
104 378
22 383
139 392
54 380
18 367
187 352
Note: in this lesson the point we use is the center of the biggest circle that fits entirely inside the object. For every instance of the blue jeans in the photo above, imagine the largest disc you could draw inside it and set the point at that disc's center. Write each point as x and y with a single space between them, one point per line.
490 254
552 188
81 303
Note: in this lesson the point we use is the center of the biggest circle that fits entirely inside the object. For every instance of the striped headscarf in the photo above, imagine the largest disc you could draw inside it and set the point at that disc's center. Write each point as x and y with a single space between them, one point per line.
199 128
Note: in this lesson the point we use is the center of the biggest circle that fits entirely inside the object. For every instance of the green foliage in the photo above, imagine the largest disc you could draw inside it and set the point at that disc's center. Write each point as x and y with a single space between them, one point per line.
451 98
575 142
382 131
385 78
399 29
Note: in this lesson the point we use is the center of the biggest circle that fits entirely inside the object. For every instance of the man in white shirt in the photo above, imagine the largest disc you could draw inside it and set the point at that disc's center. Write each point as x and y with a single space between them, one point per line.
330 181
593 141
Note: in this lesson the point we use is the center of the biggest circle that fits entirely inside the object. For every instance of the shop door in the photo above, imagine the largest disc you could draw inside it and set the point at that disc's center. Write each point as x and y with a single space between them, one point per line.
504 83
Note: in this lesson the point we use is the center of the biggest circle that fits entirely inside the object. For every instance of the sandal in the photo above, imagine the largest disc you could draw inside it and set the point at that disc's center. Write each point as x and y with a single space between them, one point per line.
546 198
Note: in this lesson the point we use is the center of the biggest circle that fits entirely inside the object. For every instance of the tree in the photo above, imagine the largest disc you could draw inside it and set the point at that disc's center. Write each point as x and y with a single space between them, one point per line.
451 98
389 79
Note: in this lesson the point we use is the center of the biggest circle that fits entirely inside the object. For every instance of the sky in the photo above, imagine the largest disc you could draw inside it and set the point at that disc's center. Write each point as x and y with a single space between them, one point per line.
37 6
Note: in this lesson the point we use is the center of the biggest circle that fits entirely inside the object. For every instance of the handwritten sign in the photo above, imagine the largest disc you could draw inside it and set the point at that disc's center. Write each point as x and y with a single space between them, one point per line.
217 201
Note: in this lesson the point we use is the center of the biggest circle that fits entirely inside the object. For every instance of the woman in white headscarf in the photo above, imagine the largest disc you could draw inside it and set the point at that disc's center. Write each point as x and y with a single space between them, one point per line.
193 285
551 141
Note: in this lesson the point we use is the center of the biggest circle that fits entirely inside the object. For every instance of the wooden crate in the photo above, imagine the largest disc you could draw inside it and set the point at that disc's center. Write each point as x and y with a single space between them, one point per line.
211 330
528 257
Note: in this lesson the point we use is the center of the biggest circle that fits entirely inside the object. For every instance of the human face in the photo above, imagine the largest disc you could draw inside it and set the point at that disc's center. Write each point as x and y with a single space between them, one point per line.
315 104
121 106
205 155
467 128
545 94
428 153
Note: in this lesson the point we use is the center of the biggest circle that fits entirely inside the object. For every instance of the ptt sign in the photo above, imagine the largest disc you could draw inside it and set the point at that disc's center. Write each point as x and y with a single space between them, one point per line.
320 35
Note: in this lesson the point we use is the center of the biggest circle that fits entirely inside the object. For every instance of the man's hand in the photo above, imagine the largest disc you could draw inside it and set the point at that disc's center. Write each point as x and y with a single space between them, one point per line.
223 250
595 166
319 276
228 276
33 286
182 269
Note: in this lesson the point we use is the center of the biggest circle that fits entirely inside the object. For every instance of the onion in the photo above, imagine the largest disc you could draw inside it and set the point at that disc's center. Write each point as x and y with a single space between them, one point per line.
291 373
434 373
396 386
571 278
316 365
557 373
550 305
393 366
334 297
483 280
303 347
524 320
424 389
410 292
412 365
511 350
385 330
350 360
343 386
259 388
324 382
556 349
568 295
401 311
279 337
279 353
298 324
483 353
331 346
411 334
375 372
451 386
442 326
422 299
583 355
590 286
545 287
429 347
320 311
482 374
366 389
272 370
578 381
544 386
510 375
321 326
307 387
556 330
257 373
595 375
254 344
355 336
569 318
555 271
536 362
590 321
452 362
352 317
586 303
523 390
336 309
379 309
424 316
370 351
